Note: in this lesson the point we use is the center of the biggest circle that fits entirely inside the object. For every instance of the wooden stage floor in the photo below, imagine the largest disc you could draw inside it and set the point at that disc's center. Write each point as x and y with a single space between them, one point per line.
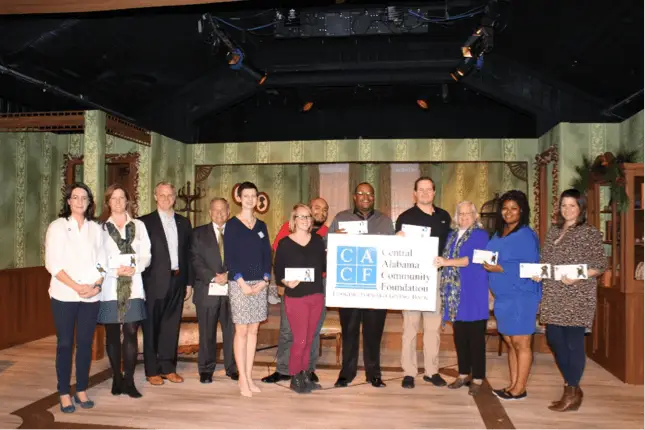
28 398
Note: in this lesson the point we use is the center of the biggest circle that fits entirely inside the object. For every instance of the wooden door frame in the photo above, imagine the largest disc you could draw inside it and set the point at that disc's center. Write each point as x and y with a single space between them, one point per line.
130 158
542 219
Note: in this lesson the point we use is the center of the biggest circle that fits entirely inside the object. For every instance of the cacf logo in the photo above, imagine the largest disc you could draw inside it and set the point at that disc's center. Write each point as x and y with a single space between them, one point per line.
356 267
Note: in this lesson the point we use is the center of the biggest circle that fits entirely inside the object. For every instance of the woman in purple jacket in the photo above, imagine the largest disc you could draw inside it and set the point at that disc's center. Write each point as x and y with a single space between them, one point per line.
464 295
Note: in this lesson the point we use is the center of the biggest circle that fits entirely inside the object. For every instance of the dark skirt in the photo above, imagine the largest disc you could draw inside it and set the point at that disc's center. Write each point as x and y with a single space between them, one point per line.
109 313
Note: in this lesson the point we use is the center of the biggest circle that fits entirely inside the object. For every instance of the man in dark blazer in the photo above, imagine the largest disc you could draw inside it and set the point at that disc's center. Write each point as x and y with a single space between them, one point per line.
165 283
206 256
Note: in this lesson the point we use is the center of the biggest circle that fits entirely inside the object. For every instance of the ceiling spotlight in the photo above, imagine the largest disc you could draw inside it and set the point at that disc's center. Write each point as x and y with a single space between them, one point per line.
463 69
474 46
423 104
307 106
235 59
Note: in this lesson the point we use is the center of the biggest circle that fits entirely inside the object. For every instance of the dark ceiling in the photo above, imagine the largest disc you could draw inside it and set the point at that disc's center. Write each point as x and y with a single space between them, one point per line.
363 67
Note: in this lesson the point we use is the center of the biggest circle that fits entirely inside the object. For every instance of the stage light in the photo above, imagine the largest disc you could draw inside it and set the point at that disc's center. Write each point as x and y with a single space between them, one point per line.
422 104
474 46
235 59
463 69
307 106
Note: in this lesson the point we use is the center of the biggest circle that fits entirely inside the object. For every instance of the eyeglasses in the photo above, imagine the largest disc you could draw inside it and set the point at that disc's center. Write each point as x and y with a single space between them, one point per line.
364 193
302 217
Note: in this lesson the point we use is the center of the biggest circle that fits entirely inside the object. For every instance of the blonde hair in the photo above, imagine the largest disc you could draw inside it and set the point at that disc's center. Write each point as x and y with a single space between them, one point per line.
292 218
455 218
167 184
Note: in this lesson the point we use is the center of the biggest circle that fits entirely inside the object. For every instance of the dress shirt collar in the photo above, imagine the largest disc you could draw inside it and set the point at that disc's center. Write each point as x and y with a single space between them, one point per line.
361 216
216 227
166 216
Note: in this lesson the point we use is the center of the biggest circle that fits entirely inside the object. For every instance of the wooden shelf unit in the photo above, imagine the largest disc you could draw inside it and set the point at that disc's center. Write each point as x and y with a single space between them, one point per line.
616 341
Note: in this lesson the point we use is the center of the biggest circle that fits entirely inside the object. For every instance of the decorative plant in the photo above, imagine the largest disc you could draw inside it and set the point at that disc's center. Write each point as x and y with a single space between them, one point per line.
607 168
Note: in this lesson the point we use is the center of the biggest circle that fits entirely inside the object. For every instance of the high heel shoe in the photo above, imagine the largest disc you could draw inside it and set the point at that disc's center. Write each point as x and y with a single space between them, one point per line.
67 409
88 404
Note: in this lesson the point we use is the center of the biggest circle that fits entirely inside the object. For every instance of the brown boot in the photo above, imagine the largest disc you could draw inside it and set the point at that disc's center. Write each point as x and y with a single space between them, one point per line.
555 402
570 400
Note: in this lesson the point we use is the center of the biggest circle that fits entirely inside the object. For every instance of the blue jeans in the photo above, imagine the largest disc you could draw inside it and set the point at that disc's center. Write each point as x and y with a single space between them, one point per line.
568 346
67 316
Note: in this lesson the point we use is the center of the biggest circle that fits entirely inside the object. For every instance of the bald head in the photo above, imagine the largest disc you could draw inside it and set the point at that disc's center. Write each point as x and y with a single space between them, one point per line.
319 210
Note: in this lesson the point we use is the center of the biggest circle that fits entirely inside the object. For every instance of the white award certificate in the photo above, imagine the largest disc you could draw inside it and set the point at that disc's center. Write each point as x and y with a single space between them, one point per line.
117 260
302 274
353 227
529 270
481 256
571 271
415 230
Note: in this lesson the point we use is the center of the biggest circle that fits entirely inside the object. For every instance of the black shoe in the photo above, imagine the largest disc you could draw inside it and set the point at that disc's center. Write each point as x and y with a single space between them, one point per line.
436 380
377 382
408 382
341 382
205 378
313 376
233 375
299 384
131 390
117 385
309 382
275 377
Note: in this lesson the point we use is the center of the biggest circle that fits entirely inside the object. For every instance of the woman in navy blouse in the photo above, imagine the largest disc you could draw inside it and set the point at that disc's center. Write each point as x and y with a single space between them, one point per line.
516 299
247 256
464 295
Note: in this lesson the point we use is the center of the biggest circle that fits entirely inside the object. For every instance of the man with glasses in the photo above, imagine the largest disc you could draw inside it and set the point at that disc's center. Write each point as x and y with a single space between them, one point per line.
165 283
319 211
373 320
423 214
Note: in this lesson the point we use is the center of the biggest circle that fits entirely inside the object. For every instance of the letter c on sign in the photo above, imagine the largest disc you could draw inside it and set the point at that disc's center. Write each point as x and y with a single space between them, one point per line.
346 277
344 258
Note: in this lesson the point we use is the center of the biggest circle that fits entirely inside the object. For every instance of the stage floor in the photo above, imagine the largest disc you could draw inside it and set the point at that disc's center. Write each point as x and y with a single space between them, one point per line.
28 398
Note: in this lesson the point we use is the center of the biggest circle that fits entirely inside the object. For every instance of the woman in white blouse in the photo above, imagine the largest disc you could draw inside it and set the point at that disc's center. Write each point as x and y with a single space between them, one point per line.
127 248
74 257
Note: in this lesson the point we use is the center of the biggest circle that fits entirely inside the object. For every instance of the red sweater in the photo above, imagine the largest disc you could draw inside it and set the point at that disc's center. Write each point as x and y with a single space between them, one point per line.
284 232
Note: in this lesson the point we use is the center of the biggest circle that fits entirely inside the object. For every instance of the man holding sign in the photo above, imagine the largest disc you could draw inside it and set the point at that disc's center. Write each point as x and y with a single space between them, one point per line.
412 222
363 219
211 292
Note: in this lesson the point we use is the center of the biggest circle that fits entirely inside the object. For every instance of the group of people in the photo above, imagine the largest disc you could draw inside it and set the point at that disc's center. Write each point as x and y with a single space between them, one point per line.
124 272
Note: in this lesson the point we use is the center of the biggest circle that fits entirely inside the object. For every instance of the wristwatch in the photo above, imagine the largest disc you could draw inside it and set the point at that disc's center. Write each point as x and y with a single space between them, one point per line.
98 286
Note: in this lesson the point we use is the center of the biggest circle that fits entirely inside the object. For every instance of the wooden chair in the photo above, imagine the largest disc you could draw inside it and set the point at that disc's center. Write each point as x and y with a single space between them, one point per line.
331 330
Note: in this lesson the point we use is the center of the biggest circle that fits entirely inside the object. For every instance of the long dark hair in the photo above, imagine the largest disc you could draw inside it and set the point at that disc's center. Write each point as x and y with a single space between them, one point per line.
66 210
580 199
525 211
107 212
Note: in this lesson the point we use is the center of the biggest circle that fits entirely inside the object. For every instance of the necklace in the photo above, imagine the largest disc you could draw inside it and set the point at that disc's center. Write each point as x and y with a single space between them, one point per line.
248 223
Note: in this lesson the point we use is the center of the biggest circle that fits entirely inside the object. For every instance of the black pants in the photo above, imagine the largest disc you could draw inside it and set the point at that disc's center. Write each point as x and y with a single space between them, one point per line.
67 317
128 348
470 342
207 318
161 330
373 323
568 346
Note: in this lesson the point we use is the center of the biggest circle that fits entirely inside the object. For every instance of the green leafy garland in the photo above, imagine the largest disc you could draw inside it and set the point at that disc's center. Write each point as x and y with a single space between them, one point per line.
606 168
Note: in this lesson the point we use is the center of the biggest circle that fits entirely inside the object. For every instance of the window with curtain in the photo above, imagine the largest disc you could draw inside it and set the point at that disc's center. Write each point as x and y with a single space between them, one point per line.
402 177
334 180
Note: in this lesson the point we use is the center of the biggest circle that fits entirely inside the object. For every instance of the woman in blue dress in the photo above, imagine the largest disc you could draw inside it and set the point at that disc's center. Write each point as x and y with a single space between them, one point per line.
516 299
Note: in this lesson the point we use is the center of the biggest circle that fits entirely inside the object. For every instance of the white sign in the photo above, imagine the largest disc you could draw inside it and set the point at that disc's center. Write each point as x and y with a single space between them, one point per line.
217 289
381 272
481 256
117 260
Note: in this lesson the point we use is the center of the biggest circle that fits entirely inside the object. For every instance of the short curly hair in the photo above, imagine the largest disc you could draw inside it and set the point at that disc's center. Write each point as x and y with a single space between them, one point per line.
525 211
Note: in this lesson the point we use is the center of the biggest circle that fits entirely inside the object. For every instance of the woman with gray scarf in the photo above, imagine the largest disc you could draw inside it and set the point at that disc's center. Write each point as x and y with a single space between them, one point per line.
464 295
127 247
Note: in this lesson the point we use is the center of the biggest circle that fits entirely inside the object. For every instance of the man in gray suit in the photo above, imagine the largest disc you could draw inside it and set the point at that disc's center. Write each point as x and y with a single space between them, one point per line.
207 255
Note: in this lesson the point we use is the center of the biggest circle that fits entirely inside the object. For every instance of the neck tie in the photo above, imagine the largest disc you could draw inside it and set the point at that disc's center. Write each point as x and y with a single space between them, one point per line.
220 242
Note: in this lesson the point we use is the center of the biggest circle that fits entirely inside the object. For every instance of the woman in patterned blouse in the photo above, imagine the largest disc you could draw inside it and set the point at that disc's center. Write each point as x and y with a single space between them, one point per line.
568 306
